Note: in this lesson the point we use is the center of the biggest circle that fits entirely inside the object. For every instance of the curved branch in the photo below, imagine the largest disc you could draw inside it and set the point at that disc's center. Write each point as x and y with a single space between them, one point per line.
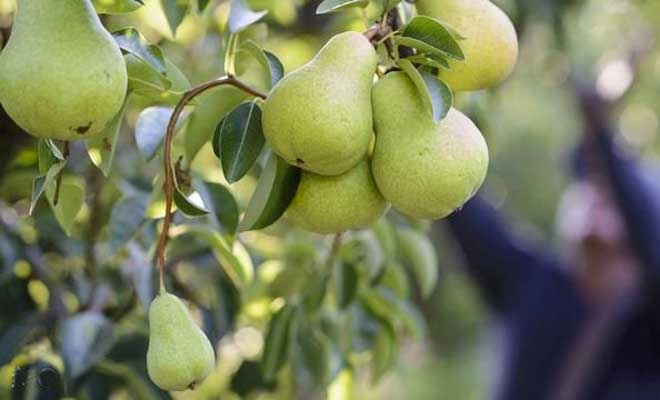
168 185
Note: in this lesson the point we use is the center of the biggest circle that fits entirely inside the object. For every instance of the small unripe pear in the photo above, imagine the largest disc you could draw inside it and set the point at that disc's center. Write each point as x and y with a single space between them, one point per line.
62 76
332 204
425 169
490 45
319 116
180 355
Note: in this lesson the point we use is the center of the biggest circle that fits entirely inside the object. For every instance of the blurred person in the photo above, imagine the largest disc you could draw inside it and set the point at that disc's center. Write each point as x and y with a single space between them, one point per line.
583 324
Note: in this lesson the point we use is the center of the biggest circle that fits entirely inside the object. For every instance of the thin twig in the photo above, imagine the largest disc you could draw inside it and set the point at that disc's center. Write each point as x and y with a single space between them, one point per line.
169 184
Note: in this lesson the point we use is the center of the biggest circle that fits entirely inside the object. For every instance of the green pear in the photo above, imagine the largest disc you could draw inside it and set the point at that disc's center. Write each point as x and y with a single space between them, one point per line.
319 117
180 355
426 170
332 204
62 76
490 45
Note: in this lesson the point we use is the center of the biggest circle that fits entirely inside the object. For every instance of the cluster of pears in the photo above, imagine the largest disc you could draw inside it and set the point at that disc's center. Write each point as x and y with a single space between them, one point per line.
62 76
363 146
180 355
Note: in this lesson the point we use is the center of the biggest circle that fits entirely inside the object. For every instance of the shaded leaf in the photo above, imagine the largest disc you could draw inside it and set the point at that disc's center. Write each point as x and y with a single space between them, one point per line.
222 204
240 273
17 335
150 130
131 41
276 346
175 11
71 200
126 218
275 190
85 339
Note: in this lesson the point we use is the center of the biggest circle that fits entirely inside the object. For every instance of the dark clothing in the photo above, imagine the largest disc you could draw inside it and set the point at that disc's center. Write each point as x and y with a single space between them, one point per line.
543 311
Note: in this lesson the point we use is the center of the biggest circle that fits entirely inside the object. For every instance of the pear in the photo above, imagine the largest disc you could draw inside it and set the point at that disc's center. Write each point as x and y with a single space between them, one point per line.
180 355
490 45
426 170
332 204
319 117
62 76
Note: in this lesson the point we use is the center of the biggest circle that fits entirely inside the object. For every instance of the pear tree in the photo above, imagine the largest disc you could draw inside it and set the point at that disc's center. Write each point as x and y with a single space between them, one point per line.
258 232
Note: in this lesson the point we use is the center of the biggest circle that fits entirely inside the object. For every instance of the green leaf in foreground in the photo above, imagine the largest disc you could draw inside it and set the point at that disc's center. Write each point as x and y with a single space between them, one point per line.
436 94
275 190
430 35
241 140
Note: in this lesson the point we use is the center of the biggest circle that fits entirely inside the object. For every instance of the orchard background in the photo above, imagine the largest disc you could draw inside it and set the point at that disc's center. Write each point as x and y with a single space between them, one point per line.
75 284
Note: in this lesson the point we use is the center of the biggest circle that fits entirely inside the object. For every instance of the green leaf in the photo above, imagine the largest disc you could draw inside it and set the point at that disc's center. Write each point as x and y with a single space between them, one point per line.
135 383
436 94
210 109
240 273
85 339
384 352
202 4
126 218
275 190
150 130
241 16
385 305
71 200
241 140
330 6
427 34
13 338
430 60
55 151
46 156
143 79
116 6
175 11
276 68
191 206
102 147
41 182
221 203
276 346
313 353
130 40
271 68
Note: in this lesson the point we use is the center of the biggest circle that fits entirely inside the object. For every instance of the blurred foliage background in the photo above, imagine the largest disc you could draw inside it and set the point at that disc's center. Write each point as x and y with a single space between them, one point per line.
531 123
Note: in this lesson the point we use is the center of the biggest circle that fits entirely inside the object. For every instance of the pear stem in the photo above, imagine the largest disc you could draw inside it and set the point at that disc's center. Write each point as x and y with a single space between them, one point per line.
334 253
169 184
58 181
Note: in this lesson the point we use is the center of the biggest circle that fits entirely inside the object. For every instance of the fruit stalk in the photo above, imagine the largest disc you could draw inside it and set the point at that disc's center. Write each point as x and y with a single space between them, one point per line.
168 185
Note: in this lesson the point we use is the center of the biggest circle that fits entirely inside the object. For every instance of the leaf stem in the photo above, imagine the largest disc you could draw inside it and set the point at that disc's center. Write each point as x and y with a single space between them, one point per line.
169 184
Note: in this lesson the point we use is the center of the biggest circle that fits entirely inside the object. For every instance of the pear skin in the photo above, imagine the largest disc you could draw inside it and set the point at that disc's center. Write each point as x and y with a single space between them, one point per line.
180 355
426 170
490 45
333 204
319 117
62 76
